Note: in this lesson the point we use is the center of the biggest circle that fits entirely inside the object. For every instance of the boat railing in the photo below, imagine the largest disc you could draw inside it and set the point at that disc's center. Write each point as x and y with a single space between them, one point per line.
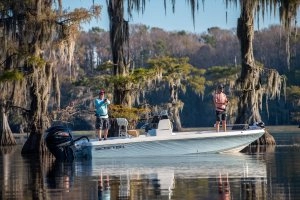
231 125
255 125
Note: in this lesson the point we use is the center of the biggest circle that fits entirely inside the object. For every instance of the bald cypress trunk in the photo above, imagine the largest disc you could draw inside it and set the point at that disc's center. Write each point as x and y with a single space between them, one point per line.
249 86
248 83
8 90
40 85
175 117
175 106
119 35
6 136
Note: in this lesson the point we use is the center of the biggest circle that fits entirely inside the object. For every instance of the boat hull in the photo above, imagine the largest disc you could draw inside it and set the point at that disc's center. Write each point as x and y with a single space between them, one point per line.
180 143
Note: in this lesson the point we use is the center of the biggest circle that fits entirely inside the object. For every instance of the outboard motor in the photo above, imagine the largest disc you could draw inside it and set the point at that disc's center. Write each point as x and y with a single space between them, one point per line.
261 124
60 143
257 125
58 140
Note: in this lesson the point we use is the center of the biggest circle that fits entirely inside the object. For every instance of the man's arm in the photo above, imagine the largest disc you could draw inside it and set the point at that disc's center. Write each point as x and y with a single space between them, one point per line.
106 101
214 99
226 100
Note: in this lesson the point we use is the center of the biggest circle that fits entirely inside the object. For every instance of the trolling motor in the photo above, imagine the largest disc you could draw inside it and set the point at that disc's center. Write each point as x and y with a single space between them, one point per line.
61 144
255 125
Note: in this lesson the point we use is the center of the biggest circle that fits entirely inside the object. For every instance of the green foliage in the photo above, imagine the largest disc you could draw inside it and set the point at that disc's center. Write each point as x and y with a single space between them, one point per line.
106 66
211 40
142 74
161 47
197 83
181 33
133 115
11 75
83 81
178 71
173 69
217 73
97 30
36 61
221 74
137 79
121 81
94 83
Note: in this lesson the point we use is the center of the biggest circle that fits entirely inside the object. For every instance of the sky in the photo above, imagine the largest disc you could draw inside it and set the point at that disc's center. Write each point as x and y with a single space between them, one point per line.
211 14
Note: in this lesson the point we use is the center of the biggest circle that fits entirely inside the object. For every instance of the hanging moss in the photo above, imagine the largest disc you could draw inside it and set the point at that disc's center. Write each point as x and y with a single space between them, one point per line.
11 75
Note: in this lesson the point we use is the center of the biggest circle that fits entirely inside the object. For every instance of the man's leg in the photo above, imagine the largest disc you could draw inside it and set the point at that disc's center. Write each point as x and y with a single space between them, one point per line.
98 127
224 121
217 126
105 133
99 133
224 125
105 128
218 119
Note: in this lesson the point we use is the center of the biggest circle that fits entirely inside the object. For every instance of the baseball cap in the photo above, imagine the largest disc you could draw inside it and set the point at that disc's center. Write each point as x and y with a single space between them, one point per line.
101 92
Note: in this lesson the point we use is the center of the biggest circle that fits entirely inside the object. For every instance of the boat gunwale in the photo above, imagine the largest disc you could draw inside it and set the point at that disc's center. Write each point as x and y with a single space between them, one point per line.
174 137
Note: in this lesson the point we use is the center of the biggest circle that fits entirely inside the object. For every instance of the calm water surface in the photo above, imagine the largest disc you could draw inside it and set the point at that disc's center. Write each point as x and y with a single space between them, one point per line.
269 173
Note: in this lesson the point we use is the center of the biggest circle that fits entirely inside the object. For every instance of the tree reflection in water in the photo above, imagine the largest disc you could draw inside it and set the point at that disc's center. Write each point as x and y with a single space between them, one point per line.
60 175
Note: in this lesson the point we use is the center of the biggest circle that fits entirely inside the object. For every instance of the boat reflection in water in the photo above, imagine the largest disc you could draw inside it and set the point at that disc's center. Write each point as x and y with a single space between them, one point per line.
213 176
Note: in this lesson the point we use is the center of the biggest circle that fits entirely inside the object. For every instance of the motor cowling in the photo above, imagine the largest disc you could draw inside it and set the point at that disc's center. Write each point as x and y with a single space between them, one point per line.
58 140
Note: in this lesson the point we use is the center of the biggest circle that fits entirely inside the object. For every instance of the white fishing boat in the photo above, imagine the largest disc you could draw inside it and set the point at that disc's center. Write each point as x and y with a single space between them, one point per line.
160 140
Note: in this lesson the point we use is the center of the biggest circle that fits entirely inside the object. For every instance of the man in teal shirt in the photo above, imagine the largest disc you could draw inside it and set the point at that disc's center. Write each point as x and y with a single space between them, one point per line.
102 120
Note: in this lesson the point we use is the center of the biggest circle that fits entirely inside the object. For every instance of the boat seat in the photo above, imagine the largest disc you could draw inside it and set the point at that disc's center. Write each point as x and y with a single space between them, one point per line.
122 124
164 124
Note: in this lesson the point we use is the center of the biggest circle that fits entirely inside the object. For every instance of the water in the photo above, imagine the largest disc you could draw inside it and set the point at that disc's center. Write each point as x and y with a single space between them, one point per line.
270 173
